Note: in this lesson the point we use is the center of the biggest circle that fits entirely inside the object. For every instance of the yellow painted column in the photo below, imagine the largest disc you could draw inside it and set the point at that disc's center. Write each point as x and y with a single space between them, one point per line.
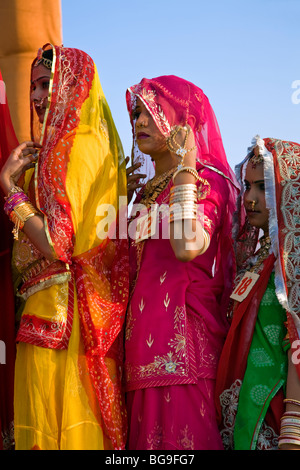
25 25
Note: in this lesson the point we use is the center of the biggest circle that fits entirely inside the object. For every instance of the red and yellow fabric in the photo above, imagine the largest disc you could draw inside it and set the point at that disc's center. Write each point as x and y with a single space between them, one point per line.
75 306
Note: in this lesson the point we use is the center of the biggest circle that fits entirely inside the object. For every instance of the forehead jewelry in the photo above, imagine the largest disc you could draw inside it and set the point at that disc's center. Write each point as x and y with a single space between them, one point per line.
43 60
256 159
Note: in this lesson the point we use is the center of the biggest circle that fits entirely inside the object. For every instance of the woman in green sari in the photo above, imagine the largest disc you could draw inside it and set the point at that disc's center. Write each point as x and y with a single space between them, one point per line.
258 385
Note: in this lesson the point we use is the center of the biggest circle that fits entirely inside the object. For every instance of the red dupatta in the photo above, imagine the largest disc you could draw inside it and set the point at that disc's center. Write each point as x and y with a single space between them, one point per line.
8 141
233 360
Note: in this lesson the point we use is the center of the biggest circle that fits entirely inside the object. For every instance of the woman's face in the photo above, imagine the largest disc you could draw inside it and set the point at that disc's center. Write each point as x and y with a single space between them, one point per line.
149 138
40 81
257 213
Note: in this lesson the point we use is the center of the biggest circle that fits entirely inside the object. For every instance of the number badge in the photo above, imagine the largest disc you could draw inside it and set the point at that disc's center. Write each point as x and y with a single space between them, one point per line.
244 286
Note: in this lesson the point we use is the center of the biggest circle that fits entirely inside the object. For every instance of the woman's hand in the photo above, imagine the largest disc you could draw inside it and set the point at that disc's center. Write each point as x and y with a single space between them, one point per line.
133 179
182 142
21 159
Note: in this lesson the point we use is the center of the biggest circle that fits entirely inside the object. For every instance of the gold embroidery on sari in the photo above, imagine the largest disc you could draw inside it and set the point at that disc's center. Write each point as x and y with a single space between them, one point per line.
288 159
44 284
130 321
155 438
150 341
172 361
148 96
163 277
186 439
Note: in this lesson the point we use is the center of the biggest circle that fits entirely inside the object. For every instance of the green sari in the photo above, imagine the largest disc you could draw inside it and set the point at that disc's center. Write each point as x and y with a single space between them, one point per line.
266 370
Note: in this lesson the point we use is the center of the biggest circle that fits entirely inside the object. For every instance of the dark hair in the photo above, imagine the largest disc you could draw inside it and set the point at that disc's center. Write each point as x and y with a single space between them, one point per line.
48 54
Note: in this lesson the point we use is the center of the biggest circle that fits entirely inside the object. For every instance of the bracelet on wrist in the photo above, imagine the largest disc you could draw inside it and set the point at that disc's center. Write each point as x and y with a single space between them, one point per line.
19 209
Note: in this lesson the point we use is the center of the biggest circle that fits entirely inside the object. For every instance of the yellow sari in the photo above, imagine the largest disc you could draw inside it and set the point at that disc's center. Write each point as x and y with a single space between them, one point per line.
69 355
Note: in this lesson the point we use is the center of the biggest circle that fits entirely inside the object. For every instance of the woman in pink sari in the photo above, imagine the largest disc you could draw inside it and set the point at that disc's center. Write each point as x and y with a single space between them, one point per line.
180 283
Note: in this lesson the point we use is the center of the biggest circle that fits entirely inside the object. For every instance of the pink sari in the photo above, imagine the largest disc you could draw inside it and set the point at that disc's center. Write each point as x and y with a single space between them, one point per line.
176 319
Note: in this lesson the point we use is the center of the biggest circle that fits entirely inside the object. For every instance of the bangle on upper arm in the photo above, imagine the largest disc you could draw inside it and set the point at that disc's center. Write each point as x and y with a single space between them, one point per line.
189 169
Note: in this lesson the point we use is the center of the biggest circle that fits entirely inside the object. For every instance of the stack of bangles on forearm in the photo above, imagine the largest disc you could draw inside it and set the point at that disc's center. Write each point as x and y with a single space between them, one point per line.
183 201
18 208
290 426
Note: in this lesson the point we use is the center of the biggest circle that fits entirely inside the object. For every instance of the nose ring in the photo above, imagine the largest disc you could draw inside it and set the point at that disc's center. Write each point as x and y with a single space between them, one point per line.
142 124
253 205
39 103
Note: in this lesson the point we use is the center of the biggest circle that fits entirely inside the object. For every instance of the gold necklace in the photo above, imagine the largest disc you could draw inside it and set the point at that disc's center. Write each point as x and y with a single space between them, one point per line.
155 186
263 252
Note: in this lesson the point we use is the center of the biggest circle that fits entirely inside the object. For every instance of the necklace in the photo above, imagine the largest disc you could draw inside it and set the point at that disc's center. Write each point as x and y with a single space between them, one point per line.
155 186
263 252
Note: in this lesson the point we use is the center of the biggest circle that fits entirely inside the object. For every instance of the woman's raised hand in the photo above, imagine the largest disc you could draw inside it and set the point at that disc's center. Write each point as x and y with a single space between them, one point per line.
133 179
181 140
21 159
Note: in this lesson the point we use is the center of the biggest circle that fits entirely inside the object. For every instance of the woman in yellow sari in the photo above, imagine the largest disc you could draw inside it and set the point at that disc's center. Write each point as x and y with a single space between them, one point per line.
70 265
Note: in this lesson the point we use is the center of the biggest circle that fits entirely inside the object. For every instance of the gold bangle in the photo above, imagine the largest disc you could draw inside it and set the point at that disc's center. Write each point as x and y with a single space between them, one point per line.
182 203
187 214
206 242
189 169
184 192
184 197
185 210
184 187
291 401
24 211
20 214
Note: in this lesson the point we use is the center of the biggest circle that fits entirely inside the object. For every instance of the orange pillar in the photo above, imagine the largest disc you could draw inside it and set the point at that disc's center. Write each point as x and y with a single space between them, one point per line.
25 25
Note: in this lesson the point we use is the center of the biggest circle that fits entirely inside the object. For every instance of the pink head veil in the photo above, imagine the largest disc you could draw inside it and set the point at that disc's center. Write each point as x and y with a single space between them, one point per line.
174 101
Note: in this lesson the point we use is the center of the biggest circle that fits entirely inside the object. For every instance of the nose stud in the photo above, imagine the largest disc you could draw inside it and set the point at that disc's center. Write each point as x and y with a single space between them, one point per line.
39 103
253 205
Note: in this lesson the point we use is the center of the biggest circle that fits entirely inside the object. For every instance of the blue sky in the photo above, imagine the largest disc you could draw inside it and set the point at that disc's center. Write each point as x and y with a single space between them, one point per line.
245 55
